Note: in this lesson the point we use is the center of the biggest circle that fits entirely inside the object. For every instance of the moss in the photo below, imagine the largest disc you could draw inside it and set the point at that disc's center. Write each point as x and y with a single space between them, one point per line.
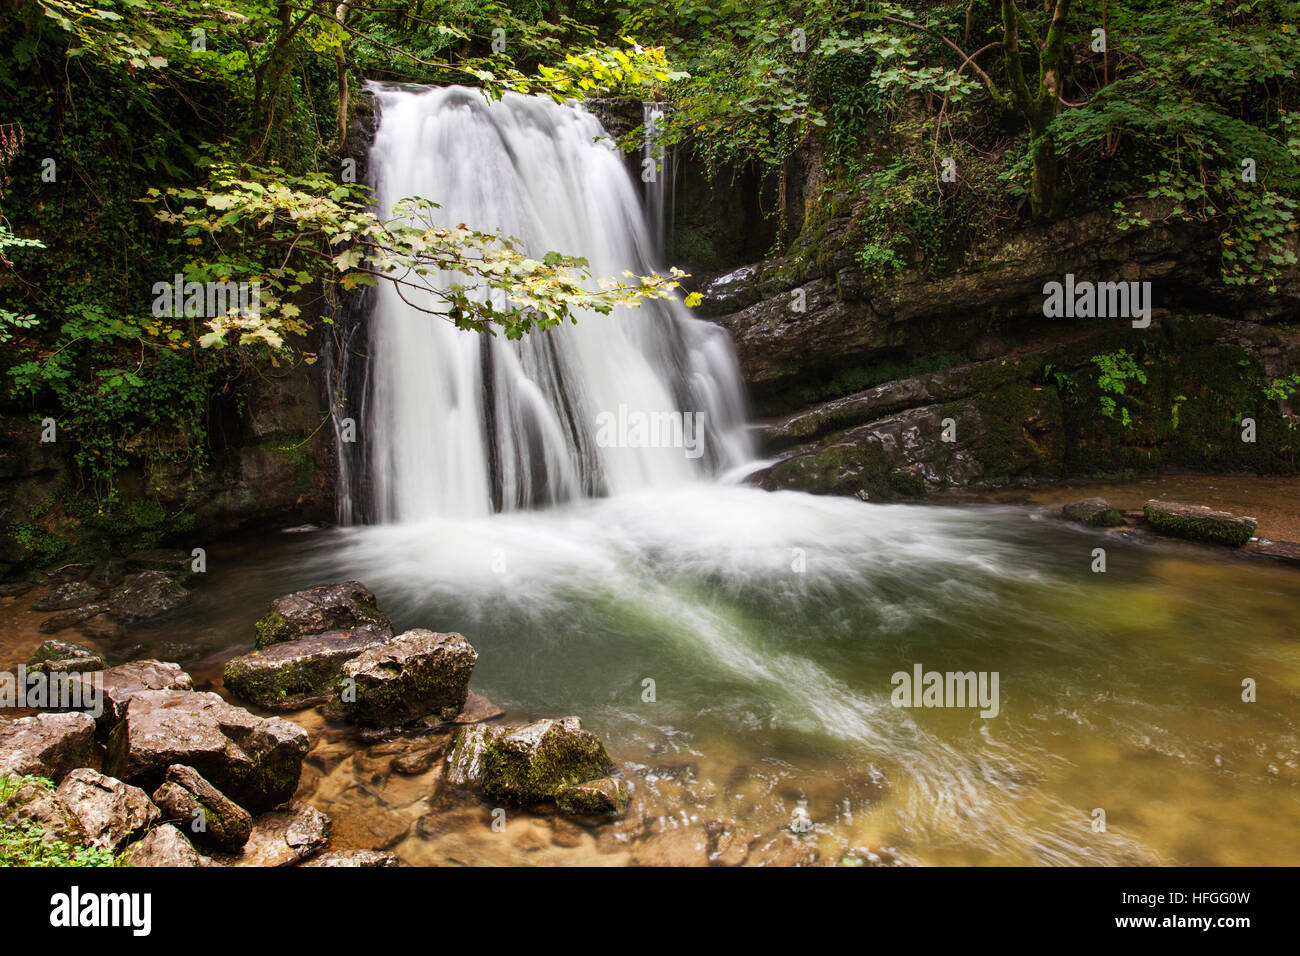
1023 432
295 450
597 797
845 468
907 482
269 629
562 757
1199 527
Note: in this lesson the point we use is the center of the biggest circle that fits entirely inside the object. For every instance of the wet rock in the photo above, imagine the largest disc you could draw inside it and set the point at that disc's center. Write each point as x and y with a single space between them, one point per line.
353 858
124 681
146 595
681 846
370 821
416 674
64 656
291 675
784 849
607 795
730 844
46 745
1199 524
206 813
329 607
37 804
66 619
414 764
565 834
110 811
162 846
100 627
282 838
465 762
65 596
535 762
254 761
1096 512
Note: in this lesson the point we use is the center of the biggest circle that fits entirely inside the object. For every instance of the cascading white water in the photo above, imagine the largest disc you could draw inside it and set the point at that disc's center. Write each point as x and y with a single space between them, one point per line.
463 424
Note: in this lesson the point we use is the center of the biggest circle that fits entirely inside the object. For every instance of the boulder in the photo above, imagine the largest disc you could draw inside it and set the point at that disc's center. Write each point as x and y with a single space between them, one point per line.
146 595
329 607
63 656
417 674
66 619
353 858
46 745
65 596
283 838
123 682
415 763
535 762
163 846
607 795
110 811
255 761
1199 524
1096 512
207 814
294 674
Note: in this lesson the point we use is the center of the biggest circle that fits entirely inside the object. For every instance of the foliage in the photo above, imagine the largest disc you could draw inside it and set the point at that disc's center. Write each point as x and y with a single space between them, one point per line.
1116 371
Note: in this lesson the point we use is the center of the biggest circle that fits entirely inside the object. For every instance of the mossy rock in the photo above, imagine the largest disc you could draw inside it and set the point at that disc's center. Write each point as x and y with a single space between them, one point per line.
1096 512
328 607
1199 524
536 762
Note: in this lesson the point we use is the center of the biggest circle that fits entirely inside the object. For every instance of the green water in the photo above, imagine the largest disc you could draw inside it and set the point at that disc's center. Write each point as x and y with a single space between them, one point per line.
771 624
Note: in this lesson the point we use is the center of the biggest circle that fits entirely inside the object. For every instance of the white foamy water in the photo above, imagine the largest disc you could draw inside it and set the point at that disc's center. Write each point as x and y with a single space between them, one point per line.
464 424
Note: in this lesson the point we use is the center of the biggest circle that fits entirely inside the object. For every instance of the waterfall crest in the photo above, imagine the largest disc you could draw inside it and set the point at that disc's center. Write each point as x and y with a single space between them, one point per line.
464 424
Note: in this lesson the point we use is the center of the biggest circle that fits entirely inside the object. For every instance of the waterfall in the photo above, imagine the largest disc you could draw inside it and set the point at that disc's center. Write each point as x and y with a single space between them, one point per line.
466 424
659 172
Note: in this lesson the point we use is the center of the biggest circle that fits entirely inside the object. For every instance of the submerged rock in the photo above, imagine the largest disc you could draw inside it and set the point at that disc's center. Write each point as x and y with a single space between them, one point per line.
64 656
46 745
110 811
1096 512
416 674
283 838
66 619
66 596
329 607
163 846
255 761
353 858
294 674
1199 524
534 763
146 595
207 813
